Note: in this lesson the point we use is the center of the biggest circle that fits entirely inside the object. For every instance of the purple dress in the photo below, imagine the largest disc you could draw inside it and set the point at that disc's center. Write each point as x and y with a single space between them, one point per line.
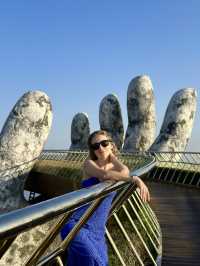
88 248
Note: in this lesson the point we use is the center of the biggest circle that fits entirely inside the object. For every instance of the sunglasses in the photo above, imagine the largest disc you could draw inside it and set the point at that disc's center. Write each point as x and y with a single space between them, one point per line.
103 143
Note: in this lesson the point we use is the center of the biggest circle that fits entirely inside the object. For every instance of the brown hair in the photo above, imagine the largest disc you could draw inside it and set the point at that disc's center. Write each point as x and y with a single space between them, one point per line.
100 132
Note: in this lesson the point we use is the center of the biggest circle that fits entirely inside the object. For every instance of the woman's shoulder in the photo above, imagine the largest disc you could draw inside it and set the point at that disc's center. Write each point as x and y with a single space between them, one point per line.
88 161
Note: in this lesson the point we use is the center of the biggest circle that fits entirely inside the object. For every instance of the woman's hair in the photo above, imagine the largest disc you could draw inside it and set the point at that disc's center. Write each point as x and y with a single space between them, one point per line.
100 132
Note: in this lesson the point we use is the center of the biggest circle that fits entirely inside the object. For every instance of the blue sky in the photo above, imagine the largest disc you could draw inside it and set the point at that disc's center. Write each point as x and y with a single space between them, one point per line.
80 51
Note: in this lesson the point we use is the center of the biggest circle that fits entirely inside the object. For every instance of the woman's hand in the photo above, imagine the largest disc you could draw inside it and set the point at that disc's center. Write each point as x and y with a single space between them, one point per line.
112 157
144 192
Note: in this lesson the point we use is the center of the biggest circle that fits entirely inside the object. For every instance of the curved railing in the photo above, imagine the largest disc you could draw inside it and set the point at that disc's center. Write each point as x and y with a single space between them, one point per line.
129 216
181 168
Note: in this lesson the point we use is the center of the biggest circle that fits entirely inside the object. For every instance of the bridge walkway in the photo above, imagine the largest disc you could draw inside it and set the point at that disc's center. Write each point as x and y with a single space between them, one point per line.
178 211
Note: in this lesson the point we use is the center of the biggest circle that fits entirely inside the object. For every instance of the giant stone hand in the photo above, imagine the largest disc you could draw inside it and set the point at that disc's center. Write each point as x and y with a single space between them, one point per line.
21 142
140 134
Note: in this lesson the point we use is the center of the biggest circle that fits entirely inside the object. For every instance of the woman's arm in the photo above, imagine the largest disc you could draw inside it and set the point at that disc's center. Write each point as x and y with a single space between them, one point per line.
121 174
119 166
144 191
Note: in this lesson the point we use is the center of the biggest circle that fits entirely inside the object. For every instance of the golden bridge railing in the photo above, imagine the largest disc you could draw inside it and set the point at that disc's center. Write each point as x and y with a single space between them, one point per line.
177 167
129 218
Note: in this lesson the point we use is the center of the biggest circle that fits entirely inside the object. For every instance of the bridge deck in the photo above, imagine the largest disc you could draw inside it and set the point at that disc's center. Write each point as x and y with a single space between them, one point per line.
178 211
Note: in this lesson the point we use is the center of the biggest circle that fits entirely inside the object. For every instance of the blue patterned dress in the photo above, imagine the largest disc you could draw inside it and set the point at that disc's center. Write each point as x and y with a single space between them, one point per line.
89 248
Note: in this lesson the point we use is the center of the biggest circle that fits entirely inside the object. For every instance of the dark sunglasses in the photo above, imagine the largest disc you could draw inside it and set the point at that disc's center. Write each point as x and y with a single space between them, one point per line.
103 143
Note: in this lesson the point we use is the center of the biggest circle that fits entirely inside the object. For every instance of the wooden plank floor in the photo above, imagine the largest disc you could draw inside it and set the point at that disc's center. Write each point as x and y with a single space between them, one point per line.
178 211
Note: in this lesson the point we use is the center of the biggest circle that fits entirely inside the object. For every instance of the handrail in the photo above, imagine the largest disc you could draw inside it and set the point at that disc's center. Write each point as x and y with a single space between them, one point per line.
20 220
181 168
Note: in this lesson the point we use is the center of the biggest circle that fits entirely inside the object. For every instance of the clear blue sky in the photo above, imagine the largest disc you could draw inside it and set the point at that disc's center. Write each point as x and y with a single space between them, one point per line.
79 51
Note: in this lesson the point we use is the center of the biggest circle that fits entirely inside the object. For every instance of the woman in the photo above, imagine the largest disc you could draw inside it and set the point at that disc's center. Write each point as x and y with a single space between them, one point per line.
88 248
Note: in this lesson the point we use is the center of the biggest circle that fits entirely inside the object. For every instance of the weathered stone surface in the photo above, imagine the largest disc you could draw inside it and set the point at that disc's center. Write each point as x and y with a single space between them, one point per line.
178 122
80 131
140 133
22 140
110 118
24 245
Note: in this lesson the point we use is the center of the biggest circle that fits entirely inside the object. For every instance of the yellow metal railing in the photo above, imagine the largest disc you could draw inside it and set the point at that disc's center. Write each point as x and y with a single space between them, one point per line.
133 232
177 167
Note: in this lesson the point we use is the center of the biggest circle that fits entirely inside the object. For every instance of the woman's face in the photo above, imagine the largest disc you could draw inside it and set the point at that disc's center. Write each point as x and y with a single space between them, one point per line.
103 147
